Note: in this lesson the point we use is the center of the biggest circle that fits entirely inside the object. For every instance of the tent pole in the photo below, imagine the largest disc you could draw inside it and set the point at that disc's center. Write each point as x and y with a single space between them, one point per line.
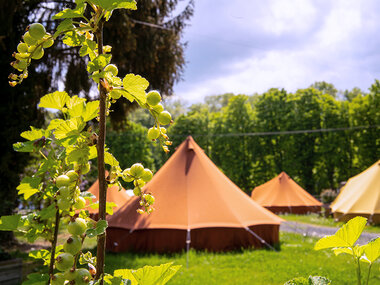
188 240
259 238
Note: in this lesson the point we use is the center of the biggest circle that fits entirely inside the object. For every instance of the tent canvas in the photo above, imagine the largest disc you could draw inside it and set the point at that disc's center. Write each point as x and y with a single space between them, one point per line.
283 195
360 196
196 205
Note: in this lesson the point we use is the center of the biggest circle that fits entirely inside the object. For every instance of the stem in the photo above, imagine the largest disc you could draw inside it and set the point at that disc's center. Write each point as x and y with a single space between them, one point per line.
54 244
101 245
358 270
369 272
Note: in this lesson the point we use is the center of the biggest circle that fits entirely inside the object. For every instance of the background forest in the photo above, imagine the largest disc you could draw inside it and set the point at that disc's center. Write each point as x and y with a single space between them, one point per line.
319 136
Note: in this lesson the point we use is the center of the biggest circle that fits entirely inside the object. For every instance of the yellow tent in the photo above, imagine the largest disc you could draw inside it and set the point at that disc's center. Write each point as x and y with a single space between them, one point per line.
360 196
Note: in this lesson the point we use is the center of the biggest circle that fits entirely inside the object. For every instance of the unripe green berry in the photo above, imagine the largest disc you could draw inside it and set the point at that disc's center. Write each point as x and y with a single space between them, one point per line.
73 245
80 203
64 261
147 175
64 192
153 98
22 48
83 276
29 40
153 133
137 170
158 108
73 175
127 176
115 95
78 227
164 118
64 204
62 180
163 130
48 43
137 191
37 31
70 274
38 53
58 279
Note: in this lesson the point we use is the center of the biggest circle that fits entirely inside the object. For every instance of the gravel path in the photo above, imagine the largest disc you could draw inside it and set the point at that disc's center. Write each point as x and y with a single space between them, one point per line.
319 231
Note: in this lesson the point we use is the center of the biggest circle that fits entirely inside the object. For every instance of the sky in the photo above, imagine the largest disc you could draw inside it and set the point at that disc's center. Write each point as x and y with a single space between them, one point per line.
250 46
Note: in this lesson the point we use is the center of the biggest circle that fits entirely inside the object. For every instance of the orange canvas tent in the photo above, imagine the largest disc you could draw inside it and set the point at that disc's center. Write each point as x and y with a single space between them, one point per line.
113 195
196 206
283 195
360 196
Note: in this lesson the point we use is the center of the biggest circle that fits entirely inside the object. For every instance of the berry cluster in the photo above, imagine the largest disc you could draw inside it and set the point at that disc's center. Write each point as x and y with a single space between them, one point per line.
35 40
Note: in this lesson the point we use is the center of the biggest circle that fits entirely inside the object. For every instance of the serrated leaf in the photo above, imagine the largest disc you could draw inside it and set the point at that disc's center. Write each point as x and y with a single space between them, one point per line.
109 207
73 39
150 275
110 159
98 63
55 100
28 186
55 123
91 111
71 13
372 250
33 134
69 128
98 230
65 25
74 100
88 48
112 280
40 254
136 86
346 236
110 5
37 279
79 155
9 223
76 110
23 146
49 212
93 152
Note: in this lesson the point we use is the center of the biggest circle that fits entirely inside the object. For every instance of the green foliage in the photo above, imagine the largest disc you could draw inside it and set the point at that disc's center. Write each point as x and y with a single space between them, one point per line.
312 280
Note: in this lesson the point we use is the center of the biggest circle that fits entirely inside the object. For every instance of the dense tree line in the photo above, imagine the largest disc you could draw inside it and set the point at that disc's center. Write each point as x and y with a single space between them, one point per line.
253 138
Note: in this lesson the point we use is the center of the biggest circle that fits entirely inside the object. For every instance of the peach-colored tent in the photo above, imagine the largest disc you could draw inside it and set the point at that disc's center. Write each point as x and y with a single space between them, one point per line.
113 195
360 196
196 206
283 195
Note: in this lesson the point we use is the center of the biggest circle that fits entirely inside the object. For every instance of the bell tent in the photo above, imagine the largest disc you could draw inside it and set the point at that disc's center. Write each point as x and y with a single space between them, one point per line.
283 195
196 206
113 195
360 196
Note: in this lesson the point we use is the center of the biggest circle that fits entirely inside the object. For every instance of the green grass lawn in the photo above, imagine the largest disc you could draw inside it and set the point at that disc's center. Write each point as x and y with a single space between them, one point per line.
315 219
295 259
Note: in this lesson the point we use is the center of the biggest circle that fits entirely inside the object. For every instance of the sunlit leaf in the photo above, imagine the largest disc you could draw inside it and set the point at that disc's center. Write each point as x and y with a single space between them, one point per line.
72 127
55 123
9 223
109 207
37 279
28 186
76 110
88 48
33 134
55 100
110 159
24 146
136 86
117 93
98 230
73 39
91 111
74 100
64 26
372 250
346 236
71 13
98 63
110 5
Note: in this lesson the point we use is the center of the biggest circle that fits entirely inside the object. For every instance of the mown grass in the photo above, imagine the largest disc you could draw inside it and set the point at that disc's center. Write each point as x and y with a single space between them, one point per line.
295 259
315 219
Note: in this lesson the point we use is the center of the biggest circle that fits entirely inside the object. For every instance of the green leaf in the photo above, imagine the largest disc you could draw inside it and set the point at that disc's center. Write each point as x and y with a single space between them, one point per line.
136 86
123 93
109 207
76 110
110 159
93 152
55 100
73 39
113 280
87 258
340 250
64 26
71 13
372 250
48 212
110 5
318 280
69 128
37 279
91 111
88 48
99 229
98 63
41 254
23 146
33 134
28 186
346 236
9 223
55 123
74 100
79 155
150 275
